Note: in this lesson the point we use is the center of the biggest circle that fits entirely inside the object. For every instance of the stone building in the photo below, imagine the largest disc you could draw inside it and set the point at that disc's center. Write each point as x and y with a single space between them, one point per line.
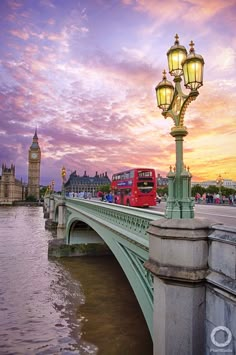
34 160
85 183
161 181
231 184
11 189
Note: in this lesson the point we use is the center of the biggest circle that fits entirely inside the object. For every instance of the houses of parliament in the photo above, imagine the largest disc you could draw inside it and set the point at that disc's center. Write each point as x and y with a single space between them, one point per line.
12 189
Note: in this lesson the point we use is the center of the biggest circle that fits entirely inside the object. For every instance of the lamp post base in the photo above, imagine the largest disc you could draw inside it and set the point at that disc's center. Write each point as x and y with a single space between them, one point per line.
180 204
179 209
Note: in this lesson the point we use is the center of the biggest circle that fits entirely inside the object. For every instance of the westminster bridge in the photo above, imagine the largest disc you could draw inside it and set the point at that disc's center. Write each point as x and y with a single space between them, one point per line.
182 271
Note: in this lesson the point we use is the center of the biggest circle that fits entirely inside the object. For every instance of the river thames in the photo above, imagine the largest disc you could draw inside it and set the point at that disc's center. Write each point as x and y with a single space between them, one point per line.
62 306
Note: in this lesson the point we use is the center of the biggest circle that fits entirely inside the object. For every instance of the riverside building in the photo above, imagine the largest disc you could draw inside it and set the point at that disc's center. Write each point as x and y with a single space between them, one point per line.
11 189
86 183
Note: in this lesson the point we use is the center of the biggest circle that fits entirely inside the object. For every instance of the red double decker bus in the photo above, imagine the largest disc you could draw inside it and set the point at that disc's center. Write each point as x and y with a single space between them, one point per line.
136 187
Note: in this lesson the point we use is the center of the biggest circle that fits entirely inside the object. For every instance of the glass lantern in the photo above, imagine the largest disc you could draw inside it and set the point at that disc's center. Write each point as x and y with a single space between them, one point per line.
193 69
176 55
164 93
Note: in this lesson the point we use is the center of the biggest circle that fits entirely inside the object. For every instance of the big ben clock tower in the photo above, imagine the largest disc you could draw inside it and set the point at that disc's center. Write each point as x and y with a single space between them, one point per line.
34 168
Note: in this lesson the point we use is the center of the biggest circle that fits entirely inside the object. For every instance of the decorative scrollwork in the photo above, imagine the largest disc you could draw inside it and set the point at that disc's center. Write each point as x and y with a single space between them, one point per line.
145 275
184 108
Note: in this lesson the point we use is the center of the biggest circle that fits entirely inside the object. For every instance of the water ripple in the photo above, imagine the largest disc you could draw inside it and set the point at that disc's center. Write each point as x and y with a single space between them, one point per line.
36 296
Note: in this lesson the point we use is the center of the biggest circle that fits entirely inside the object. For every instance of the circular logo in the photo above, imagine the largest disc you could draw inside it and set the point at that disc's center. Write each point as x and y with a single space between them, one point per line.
218 329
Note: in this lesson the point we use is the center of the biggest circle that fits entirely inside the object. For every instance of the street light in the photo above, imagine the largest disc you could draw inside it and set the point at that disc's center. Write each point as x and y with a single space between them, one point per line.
63 176
53 184
173 103
219 182
47 192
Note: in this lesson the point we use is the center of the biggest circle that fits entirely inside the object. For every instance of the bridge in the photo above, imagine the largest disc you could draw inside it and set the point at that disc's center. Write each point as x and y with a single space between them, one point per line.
92 224
182 271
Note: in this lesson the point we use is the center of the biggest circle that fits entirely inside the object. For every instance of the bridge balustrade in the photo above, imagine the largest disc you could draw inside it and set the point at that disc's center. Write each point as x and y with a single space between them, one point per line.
133 222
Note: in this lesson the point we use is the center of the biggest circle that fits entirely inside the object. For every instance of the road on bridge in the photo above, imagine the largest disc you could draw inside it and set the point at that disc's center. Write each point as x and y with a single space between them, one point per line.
215 213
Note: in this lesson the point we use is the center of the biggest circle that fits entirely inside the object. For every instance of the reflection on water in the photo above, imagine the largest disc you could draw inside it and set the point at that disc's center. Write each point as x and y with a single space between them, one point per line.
113 319
62 306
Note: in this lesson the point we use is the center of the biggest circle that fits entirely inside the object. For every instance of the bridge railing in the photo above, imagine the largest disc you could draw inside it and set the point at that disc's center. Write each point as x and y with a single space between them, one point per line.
133 220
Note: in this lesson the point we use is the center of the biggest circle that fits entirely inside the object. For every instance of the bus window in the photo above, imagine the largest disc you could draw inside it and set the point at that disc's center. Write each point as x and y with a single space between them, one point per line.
144 174
128 192
145 186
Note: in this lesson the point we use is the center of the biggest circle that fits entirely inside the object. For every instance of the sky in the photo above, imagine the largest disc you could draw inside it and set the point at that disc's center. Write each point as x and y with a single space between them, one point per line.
83 72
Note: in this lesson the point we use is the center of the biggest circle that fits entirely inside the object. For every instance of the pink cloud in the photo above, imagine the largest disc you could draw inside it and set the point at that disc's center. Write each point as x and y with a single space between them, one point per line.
22 34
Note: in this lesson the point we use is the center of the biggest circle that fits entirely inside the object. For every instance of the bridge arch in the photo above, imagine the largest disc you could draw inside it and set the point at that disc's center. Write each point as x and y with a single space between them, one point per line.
81 228
82 233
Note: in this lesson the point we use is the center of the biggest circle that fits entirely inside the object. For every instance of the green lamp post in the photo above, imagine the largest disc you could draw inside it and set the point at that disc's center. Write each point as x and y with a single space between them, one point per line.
63 176
219 182
52 186
173 103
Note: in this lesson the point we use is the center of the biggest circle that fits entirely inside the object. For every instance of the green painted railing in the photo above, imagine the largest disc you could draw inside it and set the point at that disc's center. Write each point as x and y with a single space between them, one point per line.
134 221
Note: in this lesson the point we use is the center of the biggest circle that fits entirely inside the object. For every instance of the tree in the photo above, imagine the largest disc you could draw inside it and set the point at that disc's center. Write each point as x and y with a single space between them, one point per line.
198 189
162 191
31 198
105 188
212 189
226 191
43 190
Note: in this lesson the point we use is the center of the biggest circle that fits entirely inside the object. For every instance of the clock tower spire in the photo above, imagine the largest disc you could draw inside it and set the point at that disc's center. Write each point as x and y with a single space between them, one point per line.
34 161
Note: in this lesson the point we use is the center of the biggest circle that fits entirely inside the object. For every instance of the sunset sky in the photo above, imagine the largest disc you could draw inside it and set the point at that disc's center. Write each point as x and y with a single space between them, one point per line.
84 73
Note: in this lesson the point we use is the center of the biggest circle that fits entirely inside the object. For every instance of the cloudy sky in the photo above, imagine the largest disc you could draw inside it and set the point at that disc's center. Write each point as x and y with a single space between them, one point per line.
84 72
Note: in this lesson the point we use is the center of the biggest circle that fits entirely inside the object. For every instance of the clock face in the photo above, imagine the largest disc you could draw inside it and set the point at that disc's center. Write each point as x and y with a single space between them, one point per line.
34 155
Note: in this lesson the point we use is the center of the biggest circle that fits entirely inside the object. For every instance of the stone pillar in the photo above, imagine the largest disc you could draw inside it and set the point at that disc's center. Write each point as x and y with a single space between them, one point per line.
51 208
61 215
61 226
178 252
46 207
47 203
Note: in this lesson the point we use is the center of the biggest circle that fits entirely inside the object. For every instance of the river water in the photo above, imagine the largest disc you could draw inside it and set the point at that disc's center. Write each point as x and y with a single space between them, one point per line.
62 306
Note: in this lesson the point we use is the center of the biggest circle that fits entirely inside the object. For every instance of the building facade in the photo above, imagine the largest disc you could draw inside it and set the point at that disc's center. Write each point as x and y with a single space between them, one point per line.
34 160
226 183
11 189
161 181
85 183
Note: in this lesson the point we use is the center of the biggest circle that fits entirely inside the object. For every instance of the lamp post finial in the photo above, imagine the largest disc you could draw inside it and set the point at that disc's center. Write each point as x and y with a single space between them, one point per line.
176 39
191 47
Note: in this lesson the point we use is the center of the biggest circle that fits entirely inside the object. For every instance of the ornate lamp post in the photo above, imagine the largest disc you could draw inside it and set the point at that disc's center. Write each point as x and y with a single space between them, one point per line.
52 185
219 182
63 176
47 192
173 103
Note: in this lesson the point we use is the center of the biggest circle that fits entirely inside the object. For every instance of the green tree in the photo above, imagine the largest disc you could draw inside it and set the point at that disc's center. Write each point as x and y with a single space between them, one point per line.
212 189
31 198
43 190
104 188
226 191
162 191
198 189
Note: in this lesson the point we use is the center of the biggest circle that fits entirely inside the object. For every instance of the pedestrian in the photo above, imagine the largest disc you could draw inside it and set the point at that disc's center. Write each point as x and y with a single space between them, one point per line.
109 197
